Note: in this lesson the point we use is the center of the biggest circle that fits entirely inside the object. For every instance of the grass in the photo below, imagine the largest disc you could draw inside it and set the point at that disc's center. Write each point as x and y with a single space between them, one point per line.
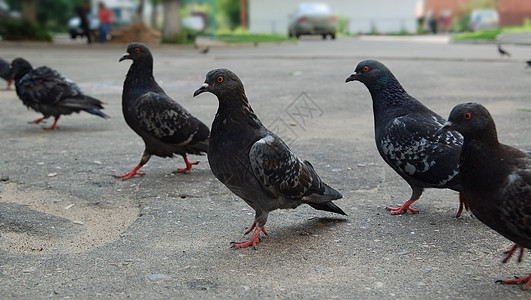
253 38
490 35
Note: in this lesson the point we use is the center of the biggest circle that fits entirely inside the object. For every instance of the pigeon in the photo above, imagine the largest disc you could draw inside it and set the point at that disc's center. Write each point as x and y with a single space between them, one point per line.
405 136
528 63
256 164
47 91
164 125
503 52
205 50
6 72
496 178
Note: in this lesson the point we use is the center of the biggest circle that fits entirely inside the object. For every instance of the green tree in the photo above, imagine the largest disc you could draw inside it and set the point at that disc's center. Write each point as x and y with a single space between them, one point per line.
228 13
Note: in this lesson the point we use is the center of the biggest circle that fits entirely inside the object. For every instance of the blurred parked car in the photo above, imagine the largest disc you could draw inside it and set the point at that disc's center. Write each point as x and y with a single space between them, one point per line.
75 30
483 19
313 18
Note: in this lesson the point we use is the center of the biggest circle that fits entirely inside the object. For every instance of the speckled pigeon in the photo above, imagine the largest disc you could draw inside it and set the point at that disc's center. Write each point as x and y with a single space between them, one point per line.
164 125
496 178
6 72
405 136
254 163
47 91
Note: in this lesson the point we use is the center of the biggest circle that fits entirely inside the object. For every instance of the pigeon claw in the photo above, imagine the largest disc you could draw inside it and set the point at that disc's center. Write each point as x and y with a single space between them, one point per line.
54 125
188 166
130 174
37 121
518 280
255 238
403 209
509 253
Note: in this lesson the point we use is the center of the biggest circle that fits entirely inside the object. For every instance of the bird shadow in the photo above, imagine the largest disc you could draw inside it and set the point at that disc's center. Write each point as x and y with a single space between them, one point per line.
313 226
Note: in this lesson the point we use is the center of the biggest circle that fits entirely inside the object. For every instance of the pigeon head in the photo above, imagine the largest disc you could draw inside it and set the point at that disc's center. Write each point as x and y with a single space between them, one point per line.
471 120
20 68
137 52
371 73
221 82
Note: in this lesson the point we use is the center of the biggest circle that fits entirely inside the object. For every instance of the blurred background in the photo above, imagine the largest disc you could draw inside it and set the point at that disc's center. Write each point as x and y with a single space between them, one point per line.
183 21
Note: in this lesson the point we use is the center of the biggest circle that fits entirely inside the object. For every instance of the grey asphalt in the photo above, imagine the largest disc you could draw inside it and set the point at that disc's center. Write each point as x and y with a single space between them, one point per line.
68 229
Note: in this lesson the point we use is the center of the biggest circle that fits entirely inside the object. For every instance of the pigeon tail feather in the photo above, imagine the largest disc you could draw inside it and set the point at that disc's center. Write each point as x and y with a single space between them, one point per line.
328 206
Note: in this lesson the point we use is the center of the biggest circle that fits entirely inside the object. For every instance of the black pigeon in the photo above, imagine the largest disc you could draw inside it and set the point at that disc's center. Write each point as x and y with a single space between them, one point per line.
528 64
47 91
503 52
405 135
496 178
164 125
6 72
254 163
205 50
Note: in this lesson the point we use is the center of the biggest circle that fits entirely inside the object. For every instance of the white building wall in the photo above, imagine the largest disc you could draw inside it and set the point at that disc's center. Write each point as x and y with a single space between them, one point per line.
385 16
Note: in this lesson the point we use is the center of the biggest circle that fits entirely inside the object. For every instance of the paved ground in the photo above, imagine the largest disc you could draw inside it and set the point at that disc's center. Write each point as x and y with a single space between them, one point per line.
68 229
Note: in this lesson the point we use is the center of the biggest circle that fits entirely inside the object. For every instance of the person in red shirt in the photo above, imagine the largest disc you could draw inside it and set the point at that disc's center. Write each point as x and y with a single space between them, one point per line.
106 17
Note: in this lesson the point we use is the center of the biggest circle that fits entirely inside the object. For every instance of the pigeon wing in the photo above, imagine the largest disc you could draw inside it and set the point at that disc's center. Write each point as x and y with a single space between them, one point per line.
6 71
165 119
517 194
279 170
46 86
410 145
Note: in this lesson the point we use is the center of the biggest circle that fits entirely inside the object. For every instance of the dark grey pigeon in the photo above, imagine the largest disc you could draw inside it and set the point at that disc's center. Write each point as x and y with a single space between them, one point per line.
6 72
496 178
47 91
405 136
254 163
164 125
503 52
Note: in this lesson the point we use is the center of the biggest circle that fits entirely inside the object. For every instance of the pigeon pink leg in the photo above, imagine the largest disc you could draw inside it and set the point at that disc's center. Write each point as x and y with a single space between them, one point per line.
38 121
132 173
54 125
462 203
404 208
510 252
9 82
518 280
188 166
255 238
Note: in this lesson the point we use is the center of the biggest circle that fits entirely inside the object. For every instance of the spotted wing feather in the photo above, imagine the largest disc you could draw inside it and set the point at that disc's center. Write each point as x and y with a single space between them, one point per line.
410 145
280 171
516 207
46 86
161 117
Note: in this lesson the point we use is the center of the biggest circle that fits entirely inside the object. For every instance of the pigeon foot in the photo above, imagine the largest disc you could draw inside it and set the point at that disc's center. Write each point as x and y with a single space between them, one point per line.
130 174
54 125
188 166
37 121
255 238
403 209
518 280
510 252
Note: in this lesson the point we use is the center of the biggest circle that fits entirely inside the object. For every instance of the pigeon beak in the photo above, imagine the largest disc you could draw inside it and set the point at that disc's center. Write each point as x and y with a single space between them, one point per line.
447 126
202 89
352 78
124 57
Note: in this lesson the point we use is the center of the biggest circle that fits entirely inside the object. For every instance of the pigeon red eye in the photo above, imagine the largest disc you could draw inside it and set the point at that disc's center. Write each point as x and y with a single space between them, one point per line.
219 79
137 50
467 116
366 69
